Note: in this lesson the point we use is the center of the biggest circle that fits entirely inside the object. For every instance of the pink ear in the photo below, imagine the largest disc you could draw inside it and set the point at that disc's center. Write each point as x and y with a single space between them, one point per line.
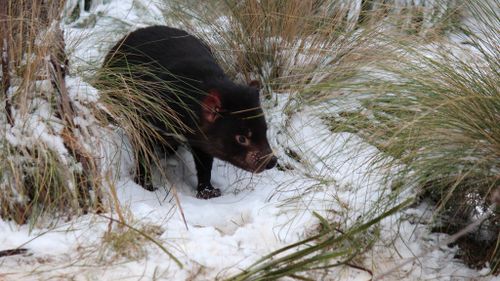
211 106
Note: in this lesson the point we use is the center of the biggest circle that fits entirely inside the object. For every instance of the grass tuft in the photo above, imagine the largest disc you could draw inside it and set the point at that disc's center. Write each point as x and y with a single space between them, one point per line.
287 45
434 112
130 104
46 166
327 249
127 241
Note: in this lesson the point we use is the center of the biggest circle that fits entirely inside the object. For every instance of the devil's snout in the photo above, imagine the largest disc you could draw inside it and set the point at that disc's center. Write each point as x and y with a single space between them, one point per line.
272 162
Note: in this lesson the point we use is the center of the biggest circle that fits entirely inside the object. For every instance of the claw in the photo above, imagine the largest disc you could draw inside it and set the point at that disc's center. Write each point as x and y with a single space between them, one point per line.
207 192
150 187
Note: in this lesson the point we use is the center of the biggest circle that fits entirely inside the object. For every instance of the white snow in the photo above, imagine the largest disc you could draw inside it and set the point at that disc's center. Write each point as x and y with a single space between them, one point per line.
256 214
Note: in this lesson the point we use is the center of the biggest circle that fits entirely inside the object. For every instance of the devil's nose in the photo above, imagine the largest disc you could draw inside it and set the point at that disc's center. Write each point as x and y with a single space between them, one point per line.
272 162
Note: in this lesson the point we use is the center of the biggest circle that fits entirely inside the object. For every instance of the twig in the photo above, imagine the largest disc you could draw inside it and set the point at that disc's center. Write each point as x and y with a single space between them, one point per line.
4 42
59 63
361 268
59 67
13 252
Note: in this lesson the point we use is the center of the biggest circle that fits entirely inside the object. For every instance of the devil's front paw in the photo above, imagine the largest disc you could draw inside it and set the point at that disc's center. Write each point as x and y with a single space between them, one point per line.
150 187
207 191
146 184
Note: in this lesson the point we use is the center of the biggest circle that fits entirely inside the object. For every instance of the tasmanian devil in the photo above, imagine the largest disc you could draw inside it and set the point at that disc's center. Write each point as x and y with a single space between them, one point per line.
224 119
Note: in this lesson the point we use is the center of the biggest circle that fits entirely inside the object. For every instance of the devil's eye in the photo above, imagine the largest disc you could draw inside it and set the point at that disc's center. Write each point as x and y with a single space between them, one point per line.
242 140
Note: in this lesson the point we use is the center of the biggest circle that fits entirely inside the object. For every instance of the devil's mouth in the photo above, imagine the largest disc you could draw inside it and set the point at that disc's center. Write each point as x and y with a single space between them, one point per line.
248 168
256 169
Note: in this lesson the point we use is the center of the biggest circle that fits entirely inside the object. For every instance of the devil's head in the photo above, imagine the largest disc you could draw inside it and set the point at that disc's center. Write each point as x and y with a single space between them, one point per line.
233 127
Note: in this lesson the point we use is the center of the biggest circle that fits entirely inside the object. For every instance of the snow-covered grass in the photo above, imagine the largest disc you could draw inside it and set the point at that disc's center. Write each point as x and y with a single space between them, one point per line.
46 160
436 109
328 212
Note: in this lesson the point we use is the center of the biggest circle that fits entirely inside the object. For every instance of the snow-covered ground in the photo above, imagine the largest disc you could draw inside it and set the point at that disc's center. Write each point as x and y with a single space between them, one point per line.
256 214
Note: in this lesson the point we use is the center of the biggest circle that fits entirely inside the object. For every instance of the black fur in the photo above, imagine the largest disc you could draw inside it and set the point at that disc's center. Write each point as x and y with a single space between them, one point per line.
217 110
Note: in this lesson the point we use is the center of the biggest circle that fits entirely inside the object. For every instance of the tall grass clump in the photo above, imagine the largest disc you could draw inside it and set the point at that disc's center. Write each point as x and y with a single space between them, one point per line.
46 166
290 45
435 112
132 103
287 45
